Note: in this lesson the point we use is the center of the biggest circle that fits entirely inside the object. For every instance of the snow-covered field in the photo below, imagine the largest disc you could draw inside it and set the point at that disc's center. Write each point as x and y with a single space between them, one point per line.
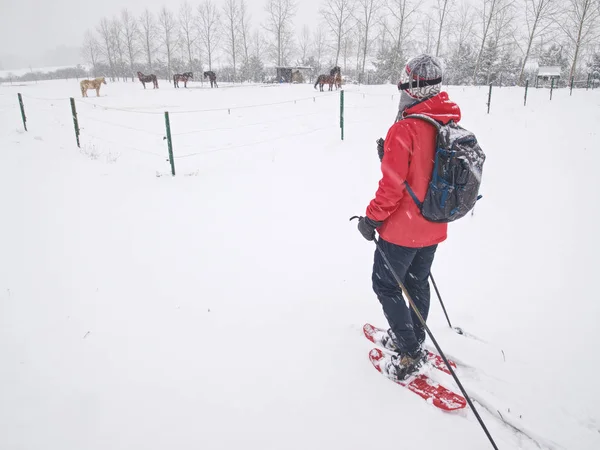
222 308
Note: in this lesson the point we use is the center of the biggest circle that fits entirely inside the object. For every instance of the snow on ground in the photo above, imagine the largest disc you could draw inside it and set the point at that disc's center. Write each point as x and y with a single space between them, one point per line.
222 308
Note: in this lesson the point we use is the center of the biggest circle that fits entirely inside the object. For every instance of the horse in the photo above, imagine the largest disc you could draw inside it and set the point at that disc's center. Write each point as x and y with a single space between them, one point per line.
213 78
338 80
91 84
182 77
334 77
147 79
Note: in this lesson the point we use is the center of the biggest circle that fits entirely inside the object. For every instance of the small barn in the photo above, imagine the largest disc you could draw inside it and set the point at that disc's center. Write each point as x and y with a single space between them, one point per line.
292 74
546 75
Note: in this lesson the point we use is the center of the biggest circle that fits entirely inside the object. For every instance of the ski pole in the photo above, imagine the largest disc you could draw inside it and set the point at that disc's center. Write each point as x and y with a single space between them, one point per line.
435 343
437 292
437 346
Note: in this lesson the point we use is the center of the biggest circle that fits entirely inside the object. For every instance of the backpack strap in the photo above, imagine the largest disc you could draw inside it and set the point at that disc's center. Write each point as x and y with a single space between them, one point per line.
433 122
438 127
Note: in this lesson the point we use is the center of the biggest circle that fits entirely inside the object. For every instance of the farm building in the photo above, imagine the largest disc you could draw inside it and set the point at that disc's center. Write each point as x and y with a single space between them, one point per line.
292 74
547 74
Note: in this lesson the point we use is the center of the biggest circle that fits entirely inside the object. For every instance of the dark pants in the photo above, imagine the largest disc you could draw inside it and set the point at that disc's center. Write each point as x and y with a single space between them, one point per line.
412 265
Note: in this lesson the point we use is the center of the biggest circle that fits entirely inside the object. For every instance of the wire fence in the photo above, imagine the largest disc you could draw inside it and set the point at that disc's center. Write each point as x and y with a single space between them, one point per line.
144 131
150 131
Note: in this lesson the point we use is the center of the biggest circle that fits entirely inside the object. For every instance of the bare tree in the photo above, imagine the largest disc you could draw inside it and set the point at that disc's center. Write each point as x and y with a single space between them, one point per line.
338 15
359 33
503 26
116 29
208 22
462 25
347 46
579 25
258 45
442 9
366 16
539 16
231 13
304 42
91 50
319 44
279 22
188 34
168 36
491 8
245 30
130 36
428 33
148 35
107 44
402 26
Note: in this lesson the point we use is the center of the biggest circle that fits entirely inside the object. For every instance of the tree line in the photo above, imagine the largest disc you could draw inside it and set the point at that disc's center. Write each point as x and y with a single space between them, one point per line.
480 42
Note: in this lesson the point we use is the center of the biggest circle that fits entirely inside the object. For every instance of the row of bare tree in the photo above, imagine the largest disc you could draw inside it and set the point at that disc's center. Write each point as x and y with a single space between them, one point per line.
476 37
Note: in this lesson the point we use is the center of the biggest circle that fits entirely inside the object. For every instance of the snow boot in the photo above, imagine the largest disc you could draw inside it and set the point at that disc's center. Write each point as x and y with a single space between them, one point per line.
402 365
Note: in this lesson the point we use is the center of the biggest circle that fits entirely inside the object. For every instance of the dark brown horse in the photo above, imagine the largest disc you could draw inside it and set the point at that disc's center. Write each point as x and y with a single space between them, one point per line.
182 77
148 79
334 77
212 77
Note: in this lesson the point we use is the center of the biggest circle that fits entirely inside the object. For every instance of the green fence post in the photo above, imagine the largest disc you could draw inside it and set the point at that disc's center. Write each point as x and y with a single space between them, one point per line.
342 113
572 81
169 142
526 87
75 122
551 88
489 98
22 111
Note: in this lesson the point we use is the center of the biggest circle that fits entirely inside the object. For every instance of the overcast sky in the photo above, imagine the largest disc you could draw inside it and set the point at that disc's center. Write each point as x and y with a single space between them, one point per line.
30 27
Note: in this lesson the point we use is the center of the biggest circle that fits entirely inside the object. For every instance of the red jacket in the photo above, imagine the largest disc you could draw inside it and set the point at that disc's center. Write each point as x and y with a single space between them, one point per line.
409 151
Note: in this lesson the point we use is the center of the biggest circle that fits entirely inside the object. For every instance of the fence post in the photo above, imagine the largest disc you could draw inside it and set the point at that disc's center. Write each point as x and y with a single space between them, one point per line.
22 111
526 87
572 81
551 88
342 113
169 142
489 99
75 122
587 85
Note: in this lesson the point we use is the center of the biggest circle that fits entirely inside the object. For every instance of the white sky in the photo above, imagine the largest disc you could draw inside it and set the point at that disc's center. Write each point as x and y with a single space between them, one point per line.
29 27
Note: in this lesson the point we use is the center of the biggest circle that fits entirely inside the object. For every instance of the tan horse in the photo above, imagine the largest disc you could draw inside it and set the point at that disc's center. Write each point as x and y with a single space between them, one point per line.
91 84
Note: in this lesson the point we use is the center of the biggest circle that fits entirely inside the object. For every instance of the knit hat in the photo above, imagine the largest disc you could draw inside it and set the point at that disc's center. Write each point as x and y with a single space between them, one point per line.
422 77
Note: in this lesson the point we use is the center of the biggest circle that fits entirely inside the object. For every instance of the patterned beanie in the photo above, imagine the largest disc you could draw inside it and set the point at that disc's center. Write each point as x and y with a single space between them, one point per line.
422 77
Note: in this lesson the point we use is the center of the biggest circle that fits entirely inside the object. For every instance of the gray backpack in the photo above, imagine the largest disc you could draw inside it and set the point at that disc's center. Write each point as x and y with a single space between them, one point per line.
456 177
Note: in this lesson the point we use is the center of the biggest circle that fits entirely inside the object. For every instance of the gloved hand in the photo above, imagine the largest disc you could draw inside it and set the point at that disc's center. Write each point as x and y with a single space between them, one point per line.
380 150
367 227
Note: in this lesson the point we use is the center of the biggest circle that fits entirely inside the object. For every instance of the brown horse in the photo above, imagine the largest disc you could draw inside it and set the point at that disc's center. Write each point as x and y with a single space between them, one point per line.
334 77
182 77
148 79
91 84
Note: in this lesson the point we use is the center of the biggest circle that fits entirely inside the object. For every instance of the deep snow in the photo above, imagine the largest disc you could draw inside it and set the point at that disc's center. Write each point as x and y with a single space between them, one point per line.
223 308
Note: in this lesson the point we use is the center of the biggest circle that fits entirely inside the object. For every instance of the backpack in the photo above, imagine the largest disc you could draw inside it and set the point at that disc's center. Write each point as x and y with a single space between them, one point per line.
457 169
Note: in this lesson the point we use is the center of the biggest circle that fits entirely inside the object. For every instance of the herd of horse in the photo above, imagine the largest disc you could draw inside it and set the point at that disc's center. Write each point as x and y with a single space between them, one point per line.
96 83
334 78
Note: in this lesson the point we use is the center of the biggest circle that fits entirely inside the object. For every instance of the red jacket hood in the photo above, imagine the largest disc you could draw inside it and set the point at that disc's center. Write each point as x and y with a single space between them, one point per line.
438 107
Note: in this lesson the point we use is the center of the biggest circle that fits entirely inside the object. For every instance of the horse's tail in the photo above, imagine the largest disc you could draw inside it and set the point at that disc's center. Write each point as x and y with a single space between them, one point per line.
317 82
174 80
